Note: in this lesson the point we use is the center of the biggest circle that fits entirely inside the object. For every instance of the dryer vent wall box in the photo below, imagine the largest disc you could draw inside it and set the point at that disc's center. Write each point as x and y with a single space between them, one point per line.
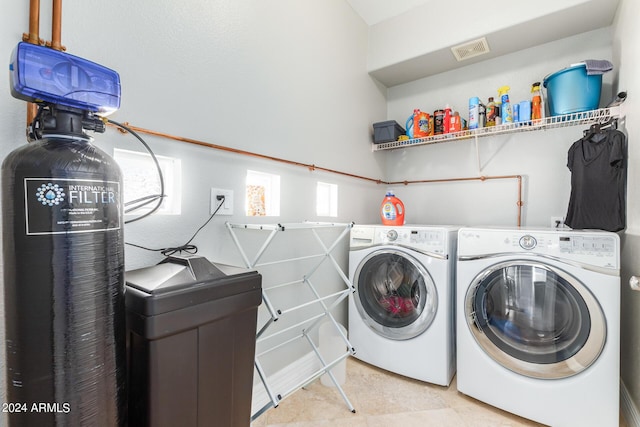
189 316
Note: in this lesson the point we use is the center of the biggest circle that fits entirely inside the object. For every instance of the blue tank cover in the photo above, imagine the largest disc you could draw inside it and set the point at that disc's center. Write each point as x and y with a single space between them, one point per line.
43 75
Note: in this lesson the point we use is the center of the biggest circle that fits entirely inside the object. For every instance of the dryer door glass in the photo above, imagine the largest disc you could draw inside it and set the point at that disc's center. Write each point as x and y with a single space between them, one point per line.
396 296
535 319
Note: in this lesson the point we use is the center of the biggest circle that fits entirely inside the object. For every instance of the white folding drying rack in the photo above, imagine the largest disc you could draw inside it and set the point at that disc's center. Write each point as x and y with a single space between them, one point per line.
276 389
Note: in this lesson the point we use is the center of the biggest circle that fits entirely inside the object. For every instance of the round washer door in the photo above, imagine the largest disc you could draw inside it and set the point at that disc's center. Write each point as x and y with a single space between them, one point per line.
395 294
535 319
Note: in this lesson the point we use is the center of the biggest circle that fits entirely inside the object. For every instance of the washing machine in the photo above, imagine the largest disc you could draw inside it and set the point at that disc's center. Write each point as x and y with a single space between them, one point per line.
538 323
401 314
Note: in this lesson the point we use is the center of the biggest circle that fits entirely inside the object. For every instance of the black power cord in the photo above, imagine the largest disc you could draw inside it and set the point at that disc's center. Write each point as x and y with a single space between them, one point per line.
187 247
144 201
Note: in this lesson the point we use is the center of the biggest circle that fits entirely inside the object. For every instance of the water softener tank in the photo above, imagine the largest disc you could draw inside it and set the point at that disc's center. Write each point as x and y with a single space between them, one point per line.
63 252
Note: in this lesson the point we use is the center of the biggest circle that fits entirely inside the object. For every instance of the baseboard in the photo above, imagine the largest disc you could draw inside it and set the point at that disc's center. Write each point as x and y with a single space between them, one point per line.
284 380
629 410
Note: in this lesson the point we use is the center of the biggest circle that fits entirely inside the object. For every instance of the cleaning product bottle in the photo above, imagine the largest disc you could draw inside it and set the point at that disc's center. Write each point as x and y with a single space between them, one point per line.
455 124
447 120
420 124
507 115
536 103
392 210
438 122
474 105
491 112
409 126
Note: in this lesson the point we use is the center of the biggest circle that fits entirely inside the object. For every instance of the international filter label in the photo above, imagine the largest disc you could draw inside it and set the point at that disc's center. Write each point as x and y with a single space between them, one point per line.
57 205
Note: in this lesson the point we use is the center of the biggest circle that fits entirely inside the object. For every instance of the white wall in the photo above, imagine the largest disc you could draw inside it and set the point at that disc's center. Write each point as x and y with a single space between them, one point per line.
627 61
389 46
12 119
540 157
282 78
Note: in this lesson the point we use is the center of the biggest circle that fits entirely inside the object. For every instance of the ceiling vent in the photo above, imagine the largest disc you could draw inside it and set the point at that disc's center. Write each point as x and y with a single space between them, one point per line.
470 49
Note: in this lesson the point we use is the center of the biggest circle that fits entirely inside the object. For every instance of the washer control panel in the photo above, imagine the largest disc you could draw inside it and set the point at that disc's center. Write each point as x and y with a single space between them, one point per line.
528 242
587 245
597 248
429 239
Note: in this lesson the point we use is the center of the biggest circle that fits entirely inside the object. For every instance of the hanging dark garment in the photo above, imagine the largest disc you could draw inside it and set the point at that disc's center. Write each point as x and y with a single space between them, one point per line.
598 165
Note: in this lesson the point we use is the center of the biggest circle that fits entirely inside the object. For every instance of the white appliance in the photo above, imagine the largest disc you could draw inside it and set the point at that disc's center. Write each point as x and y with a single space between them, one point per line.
401 314
538 323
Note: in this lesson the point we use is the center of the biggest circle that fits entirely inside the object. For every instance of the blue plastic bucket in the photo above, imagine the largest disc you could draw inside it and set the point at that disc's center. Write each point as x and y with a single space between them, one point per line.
571 90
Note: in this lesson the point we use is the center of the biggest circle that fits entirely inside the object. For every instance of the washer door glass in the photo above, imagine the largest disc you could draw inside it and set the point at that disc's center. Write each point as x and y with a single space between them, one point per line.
395 295
535 319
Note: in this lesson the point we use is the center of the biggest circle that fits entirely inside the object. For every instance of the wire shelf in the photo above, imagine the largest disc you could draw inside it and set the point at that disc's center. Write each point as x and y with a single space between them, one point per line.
584 118
288 226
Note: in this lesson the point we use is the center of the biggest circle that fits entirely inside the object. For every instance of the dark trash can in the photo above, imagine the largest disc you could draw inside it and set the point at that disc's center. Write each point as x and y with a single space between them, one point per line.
191 330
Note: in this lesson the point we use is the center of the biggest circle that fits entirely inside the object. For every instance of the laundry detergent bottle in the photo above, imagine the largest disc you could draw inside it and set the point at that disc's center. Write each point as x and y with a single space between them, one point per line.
392 210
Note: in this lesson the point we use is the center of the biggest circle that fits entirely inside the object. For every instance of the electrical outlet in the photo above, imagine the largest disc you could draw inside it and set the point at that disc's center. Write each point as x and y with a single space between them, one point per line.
227 204
557 222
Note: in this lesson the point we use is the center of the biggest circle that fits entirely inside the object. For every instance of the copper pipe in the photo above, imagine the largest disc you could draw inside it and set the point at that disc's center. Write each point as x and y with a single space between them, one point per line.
32 111
56 26
33 36
519 203
312 167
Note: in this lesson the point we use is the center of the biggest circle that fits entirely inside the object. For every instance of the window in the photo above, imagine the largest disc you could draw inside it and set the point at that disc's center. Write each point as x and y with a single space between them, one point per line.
326 199
141 179
263 194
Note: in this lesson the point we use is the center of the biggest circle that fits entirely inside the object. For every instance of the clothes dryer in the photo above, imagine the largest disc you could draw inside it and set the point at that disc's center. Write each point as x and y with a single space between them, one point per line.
538 323
401 314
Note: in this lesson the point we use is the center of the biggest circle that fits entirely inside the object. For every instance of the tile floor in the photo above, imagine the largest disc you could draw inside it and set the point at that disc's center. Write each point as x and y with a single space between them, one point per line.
384 399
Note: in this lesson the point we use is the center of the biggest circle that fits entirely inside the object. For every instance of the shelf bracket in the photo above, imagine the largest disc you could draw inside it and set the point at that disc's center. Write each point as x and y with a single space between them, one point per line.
478 155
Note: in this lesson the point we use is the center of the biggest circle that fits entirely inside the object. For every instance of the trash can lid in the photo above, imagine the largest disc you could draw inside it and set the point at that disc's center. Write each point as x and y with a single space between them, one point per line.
173 272
182 281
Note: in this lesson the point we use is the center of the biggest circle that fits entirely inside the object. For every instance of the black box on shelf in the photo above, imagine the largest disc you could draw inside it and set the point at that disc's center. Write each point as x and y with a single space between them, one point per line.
387 131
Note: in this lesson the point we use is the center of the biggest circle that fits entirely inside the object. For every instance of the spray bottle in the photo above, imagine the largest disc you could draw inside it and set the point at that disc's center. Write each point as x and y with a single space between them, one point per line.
507 115
392 210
